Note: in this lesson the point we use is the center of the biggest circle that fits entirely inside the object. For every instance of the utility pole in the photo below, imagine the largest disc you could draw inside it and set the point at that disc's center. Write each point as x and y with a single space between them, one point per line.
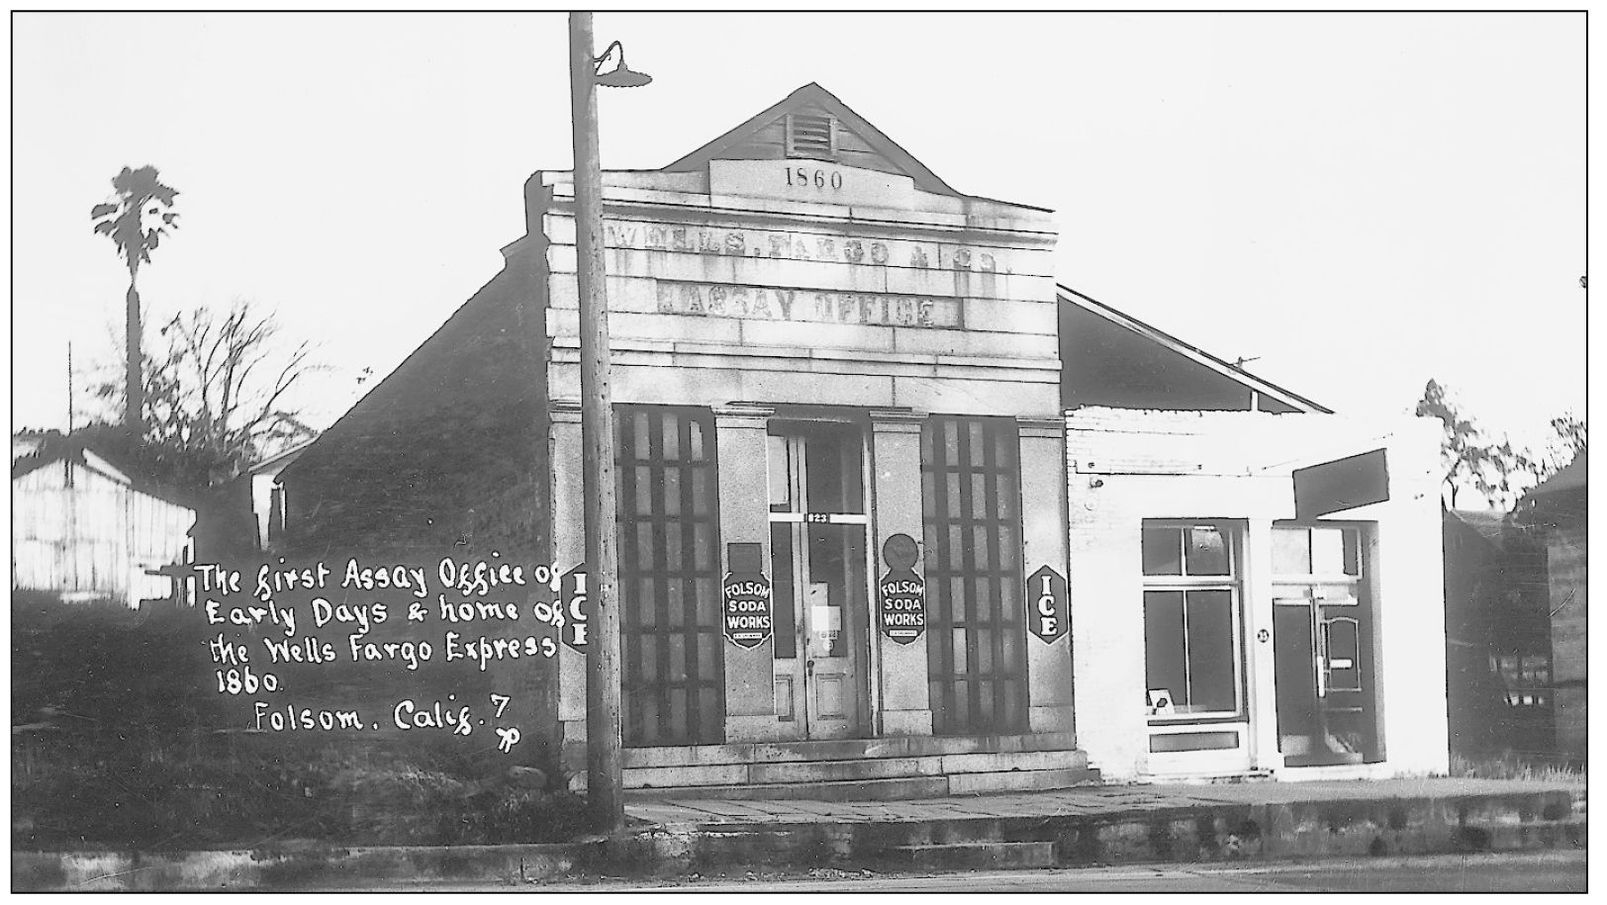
603 734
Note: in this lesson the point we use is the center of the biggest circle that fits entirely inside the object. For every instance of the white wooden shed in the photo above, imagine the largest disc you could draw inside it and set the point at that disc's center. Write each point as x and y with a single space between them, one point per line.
82 529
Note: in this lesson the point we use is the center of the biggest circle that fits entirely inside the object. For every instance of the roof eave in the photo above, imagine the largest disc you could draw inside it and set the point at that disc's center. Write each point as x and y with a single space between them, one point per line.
1192 352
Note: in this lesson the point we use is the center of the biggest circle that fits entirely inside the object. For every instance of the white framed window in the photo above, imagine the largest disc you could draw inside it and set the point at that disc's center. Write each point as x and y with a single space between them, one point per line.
1317 555
1193 657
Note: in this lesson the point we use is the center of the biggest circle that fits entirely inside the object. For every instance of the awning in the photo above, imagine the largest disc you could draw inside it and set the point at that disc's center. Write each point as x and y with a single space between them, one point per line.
1342 484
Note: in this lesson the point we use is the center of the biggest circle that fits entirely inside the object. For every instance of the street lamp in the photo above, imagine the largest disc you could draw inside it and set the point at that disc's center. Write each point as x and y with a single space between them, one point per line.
603 738
623 76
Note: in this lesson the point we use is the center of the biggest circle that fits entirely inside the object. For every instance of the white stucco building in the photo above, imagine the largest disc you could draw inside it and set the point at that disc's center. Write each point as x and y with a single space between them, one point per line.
1276 637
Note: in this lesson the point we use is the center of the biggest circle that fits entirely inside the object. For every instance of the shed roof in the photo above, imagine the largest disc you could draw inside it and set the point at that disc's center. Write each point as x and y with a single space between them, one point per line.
1571 478
75 450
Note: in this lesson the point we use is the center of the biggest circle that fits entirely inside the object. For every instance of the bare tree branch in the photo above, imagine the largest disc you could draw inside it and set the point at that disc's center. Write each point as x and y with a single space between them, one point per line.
214 397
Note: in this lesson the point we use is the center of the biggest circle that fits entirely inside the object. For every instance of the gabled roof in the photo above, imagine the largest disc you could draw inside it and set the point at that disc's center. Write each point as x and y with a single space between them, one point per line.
70 449
75 450
1562 500
737 144
1191 352
280 459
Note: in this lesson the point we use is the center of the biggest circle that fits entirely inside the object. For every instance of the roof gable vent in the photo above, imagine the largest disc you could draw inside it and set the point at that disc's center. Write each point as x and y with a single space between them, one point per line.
811 135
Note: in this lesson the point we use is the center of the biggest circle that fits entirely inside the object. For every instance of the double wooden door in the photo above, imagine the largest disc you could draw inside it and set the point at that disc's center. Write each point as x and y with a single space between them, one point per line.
819 577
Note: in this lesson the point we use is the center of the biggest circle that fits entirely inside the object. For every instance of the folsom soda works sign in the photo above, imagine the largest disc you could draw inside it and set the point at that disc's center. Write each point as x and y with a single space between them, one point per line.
746 607
903 592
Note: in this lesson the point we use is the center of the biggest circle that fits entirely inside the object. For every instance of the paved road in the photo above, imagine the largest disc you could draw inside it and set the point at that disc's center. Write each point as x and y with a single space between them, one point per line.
1515 872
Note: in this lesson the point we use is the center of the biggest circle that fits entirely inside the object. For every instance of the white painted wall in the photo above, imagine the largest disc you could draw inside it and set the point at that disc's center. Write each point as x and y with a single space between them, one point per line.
263 478
80 529
1125 466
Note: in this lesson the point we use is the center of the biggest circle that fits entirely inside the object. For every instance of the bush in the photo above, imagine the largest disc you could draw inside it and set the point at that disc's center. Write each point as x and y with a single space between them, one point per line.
114 745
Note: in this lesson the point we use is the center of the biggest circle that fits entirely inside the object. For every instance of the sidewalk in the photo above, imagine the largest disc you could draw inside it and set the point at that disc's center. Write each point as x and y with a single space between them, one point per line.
1087 801
1116 824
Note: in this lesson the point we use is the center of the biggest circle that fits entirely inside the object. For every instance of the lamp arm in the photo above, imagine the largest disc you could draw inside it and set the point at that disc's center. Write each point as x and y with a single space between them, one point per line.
597 63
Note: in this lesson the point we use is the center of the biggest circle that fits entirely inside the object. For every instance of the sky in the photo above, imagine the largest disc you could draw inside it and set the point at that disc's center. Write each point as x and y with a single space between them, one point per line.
1354 203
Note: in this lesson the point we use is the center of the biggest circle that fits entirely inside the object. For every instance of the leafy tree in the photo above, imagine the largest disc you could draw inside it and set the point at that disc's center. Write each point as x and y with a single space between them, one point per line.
135 219
1471 460
1568 441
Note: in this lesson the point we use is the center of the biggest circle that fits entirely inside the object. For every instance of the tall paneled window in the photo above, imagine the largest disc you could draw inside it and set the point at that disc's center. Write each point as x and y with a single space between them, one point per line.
971 502
1192 659
673 690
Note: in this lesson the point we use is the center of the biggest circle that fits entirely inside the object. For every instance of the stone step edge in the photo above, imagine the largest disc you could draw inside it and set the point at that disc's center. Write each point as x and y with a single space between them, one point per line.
937 786
902 787
926 766
845 749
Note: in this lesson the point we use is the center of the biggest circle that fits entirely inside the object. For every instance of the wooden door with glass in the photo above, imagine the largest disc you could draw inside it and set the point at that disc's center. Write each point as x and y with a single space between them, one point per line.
1322 628
819 577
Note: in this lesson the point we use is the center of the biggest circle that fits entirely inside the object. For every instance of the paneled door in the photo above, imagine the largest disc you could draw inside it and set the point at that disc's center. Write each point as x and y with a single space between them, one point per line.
819 577
1322 647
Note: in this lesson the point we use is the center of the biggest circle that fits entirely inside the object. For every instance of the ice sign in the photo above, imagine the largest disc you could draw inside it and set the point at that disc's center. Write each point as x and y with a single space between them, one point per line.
1048 617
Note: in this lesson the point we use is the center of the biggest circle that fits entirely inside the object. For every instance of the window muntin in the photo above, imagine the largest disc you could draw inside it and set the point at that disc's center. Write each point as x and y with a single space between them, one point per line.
672 664
971 519
1317 563
1192 649
1303 553
1196 550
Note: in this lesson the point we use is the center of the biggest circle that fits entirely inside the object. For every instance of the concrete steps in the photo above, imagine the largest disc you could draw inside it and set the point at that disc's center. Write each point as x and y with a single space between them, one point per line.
880 769
827 771
844 749
897 788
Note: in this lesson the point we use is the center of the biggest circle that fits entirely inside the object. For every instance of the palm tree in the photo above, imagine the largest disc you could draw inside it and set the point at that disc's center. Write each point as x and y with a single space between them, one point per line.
136 218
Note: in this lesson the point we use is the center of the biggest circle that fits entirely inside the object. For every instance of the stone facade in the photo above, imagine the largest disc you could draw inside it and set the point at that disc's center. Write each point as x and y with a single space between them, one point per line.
761 292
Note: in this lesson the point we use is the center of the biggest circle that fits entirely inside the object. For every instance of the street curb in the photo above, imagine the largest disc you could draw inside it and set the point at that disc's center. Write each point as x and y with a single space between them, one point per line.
299 867
1191 833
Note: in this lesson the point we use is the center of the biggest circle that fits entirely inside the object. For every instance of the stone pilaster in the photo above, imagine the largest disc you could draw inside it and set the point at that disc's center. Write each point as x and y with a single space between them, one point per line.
905 703
1044 542
568 550
750 703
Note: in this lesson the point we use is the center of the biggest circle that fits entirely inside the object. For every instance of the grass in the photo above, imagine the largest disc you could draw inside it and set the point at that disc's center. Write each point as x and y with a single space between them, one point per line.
1511 765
